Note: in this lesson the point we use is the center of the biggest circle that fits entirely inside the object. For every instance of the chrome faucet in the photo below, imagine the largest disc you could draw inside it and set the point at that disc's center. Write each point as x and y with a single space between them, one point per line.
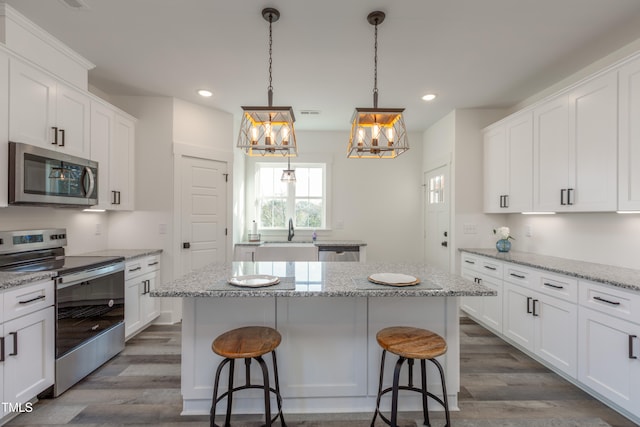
290 236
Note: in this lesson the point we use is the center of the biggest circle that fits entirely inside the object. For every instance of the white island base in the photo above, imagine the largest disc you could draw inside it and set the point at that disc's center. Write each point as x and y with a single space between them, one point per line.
328 361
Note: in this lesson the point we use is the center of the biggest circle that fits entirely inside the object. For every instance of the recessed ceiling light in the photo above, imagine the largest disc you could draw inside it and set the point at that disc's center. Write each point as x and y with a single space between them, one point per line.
429 97
205 93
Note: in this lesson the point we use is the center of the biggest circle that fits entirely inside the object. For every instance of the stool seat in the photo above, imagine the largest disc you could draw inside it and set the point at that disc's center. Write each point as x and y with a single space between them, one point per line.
411 343
246 342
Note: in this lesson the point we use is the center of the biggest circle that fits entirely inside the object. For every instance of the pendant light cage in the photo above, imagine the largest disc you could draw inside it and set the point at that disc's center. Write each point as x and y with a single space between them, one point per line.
268 131
288 174
377 133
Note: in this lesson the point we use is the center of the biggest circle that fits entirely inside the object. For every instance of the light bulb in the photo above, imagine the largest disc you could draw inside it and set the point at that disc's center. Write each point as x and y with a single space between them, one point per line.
254 135
285 135
267 133
390 135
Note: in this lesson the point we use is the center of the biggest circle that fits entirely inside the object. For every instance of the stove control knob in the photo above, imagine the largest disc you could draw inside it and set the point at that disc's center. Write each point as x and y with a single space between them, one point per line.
54 236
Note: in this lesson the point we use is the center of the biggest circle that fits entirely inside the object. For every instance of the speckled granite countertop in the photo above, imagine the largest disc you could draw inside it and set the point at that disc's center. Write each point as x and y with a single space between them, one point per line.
617 276
309 279
317 242
11 279
128 254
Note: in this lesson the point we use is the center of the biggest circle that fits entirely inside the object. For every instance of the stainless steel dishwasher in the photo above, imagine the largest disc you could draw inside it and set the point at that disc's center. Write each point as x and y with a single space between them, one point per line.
347 253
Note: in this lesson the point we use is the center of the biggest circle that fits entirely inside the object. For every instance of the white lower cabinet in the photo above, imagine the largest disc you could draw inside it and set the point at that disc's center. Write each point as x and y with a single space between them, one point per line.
27 328
543 325
609 340
589 332
488 272
141 275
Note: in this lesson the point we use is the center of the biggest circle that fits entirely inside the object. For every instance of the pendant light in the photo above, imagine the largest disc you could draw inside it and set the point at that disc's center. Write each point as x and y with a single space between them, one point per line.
288 174
268 131
377 132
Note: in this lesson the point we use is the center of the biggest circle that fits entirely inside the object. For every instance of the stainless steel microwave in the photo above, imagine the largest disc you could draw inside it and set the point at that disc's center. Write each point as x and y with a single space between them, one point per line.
38 176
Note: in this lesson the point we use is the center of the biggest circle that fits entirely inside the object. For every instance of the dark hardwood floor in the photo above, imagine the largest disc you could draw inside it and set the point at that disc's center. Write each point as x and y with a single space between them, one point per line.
501 387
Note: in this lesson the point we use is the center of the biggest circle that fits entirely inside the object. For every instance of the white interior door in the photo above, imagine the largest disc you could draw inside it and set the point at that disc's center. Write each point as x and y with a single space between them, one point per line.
203 212
437 233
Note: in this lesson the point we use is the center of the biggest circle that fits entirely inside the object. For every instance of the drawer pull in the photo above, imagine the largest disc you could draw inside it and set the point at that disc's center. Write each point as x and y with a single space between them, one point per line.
135 269
1 349
551 285
469 262
488 267
153 263
529 299
631 338
15 343
519 276
606 301
38 298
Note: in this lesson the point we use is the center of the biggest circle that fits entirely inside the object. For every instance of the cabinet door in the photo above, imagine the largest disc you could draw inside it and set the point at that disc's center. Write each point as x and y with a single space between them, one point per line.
471 305
519 164
244 253
102 133
550 153
32 103
73 119
495 169
629 134
594 140
605 363
150 306
556 333
121 161
29 366
518 321
492 306
132 314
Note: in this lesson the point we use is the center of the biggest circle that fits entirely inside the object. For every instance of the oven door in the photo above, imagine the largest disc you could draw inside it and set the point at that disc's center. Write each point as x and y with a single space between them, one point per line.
46 177
88 303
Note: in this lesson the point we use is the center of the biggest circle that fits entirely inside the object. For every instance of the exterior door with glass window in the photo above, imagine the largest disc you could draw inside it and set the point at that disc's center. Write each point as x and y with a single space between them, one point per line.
437 234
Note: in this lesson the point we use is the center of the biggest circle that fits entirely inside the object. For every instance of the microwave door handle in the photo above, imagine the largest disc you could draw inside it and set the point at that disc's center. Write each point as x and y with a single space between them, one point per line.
92 182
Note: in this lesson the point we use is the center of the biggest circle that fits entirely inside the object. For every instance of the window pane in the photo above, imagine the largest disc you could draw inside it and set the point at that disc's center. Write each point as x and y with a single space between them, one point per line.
309 213
315 182
302 182
273 213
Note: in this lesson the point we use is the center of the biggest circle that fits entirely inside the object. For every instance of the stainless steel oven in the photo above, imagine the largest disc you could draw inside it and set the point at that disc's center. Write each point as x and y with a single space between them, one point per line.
89 300
39 176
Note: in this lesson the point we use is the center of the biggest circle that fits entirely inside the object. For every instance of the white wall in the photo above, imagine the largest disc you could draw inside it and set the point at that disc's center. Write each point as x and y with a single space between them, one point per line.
375 200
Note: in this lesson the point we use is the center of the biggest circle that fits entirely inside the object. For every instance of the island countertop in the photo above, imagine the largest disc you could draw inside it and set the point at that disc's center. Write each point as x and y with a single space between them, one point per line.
308 279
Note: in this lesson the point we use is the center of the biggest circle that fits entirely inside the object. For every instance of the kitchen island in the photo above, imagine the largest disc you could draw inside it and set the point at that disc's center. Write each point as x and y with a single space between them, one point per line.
328 315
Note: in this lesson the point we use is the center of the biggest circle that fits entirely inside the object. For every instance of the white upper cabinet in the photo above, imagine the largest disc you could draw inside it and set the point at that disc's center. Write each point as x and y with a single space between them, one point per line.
47 113
575 149
4 129
112 146
629 142
508 165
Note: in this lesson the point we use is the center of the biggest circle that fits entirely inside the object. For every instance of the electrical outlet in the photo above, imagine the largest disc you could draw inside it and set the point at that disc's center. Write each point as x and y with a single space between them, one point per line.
469 229
529 231
162 228
98 229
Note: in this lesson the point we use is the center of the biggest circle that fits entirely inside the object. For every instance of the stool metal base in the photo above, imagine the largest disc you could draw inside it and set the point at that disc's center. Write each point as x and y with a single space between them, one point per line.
394 389
269 420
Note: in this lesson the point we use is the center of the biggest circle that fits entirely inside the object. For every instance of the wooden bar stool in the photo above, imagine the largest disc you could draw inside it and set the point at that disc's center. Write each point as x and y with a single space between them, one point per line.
409 344
247 343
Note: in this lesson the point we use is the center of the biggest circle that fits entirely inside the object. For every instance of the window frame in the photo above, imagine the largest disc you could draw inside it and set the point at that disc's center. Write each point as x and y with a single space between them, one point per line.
290 197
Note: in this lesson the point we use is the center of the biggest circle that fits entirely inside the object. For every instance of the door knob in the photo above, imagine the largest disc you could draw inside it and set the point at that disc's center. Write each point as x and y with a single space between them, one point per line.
186 245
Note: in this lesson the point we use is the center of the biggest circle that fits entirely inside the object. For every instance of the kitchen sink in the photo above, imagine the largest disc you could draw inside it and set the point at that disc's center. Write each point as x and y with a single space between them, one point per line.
288 244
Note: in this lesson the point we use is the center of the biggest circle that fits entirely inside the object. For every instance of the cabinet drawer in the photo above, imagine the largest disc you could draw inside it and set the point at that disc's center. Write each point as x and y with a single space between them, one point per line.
491 268
27 299
134 268
470 262
606 299
559 286
151 263
519 275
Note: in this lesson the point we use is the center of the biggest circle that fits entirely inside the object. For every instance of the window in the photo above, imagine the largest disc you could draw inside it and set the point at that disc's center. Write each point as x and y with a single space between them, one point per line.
436 189
305 201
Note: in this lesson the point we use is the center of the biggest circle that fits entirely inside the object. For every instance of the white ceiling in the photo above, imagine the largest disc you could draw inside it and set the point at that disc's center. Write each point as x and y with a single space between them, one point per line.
472 53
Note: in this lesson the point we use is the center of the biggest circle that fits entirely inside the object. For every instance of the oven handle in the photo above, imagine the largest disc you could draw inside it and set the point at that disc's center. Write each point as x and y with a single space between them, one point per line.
88 173
72 279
